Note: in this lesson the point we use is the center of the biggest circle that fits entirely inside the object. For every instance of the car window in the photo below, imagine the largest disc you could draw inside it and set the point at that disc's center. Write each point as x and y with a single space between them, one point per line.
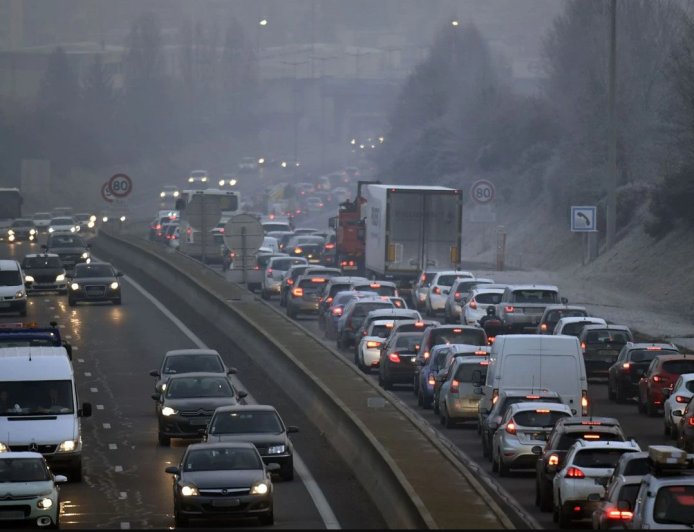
679 366
446 280
465 371
311 285
284 264
407 341
535 296
382 331
185 388
674 505
381 290
689 385
458 336
236 422
628 492
23 470
604 336
191 363
215 459
573 329
488 299
10 278
637 466
538 418
338 287
599 458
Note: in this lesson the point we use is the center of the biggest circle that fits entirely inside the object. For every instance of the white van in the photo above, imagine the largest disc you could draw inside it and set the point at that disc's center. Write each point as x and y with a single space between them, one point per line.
13 294
537 361
39 408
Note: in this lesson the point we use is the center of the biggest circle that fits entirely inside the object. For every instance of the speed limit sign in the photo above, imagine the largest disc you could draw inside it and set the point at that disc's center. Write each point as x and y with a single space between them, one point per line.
482 191
106 192
120 185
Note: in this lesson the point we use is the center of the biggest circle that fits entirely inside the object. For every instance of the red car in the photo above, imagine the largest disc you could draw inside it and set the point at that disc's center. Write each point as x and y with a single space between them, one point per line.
662 373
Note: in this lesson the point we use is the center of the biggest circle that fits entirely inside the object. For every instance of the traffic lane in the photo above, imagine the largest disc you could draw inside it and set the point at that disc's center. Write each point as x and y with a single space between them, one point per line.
329 471
124 484
520 484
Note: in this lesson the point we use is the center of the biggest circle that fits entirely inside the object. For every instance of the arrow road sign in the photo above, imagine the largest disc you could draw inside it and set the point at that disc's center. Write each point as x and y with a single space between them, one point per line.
583 218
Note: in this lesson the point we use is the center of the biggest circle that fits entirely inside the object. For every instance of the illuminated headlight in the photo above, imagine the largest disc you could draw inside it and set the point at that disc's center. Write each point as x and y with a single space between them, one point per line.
50 229
20 294
44 504
114 285
4 448
204 180
104 219
162 194
32 231
276 449
85 255
191 180
10 232
67 446
188 491
72 229
168 411
175 194
60 277
122 218
10 238
28 279
163 387
92 218
260 488
89 260
90 224
75 286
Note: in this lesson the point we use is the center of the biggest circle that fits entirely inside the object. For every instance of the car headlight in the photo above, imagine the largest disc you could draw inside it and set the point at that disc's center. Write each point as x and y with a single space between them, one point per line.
32 231
276 449
75 286
168 411
163 387
122 218
60 277
11 238
90 224
67 446
28 279
175 194
260 488
44 503
50 229
72 229
10 232
85 255
162 194
20 294
114 285
4 448
92 218
188 490
104 219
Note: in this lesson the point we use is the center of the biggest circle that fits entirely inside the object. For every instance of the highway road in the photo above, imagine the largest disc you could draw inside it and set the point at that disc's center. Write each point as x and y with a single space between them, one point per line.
124 484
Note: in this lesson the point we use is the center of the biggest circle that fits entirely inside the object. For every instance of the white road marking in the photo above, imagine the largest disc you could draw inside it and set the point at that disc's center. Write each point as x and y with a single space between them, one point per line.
112 446
106 425
94 390
125 525
319 500
99 407
68 337
87 373
118 469
80 360
75 348
123 495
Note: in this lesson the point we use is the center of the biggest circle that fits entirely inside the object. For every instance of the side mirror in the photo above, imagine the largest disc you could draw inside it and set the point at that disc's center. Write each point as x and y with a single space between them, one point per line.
564 301
155 373
156 396
60 479
173 470
666 392
594 497
202 432
86 410
537 450
291 429
446 291
119 274
241 394
231 371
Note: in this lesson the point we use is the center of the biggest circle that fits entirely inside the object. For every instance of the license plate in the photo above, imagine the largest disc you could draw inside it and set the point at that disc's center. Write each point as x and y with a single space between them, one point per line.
4 304
11 514
226 503
199 421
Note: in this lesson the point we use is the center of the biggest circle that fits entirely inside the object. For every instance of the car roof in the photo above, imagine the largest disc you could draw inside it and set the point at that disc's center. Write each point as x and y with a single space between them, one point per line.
467 273
524 392
221 445
514 287
197 374
178 352
535 405
555 306
488 289
645 345
247 408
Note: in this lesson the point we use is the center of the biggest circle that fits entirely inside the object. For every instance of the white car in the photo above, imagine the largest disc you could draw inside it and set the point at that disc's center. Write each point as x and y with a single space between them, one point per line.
441 283
29 492
63 224
573 325
476 306
42 220
458 295
368 352
677 398
585 470
198 176
523 426
274 273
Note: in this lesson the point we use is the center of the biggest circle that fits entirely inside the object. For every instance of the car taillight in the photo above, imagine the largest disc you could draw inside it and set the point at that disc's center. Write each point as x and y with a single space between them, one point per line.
473 304
457 296
372 344
553 460
574 472
337 311
690 422
509 308
455 386
298 292
394 357
615 513
583 345
626 367
584 402
290 282
543 327
329 245
436 290
495 395
268 272
681 399
426 354
432 380
510 427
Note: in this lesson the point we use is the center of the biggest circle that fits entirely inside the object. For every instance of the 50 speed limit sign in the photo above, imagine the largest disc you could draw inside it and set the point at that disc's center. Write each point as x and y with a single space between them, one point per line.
120 185
482 191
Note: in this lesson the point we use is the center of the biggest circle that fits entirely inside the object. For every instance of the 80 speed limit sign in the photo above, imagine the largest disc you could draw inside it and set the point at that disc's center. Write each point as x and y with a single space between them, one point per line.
482 191
120 185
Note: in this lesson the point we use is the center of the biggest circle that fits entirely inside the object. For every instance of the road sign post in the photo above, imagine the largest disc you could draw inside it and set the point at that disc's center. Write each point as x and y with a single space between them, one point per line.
244 234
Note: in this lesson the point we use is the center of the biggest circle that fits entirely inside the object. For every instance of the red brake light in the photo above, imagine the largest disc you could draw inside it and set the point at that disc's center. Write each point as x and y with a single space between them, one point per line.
436 290
681 399
591 436
329 245
657 378
509 308
574 472
455 386
653 348
458 295
318 280
290 282
591 423
690 421
298 292
375 285
614 513
473 304
297 250
268 272
329 300
432 380
481 353
532 396
511 427
626 366
484 362
372 344
394 357
543 326
337 311
553 460
426 354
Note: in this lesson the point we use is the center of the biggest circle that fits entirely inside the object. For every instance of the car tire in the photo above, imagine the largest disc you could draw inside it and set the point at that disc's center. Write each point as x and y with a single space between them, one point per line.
495 467
651 410
420 399
71 302
164 441
267 519
387 384
620 395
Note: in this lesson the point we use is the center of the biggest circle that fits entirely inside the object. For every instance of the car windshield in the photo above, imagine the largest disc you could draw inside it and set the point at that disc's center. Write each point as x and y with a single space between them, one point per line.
192 363
66 241
10 278
675 505
21 398
221 459
541 417
573 329
679 366
260 421
23 470
535 296
689 385
62 221
188 387
41 262
598 458
93 270
472 336
23 223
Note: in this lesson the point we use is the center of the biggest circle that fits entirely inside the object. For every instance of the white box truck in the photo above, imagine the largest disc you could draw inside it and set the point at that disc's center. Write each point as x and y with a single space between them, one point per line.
411 228
39 408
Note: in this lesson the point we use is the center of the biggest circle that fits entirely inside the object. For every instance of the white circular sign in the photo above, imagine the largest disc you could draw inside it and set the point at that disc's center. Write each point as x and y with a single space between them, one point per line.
482 191
120 185
106 192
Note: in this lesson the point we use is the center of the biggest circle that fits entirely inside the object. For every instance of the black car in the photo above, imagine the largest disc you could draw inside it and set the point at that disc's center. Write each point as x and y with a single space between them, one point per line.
397 361
22 230
601 345
72 249
95 281
260 425
185 408
632 362
44 272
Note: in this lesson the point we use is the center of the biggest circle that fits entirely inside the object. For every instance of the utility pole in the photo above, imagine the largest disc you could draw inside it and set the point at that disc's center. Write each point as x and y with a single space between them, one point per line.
611 214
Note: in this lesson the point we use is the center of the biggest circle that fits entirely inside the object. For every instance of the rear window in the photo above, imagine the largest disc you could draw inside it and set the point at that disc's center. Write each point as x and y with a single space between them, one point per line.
637 466
428 277
488 299
459 336
538 418
607 337
381 290
338 287
679 366
409 342
513 400
598 458
311 285
690 386
573 329
535 296
464 372
569 438
447 280
382 331
556 315
362 309
675 505
285 264
644 355
628 492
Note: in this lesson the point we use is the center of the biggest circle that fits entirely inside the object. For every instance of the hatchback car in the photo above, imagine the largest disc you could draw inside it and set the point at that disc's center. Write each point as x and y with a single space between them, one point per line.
368 352
632 362
262 426
452 353
331 316
308 246
675 400
421 287
439 288
29 491
554 312
41 221
522 427
300 269
274 272
22 230
601 346
396 363
44 272
177 361
662 373
607 514
188 402
394 314
222 480
458 295
475 308
459 394
685 428
333 286
305 295
573 325
96 281
353 315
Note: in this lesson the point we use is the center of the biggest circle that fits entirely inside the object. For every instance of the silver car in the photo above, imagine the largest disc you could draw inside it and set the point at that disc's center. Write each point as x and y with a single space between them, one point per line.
458 295
524 426
274 272
458 401
439 288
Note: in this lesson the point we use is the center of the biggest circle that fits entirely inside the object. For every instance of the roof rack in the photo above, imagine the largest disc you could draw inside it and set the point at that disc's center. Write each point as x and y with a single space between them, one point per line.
669 460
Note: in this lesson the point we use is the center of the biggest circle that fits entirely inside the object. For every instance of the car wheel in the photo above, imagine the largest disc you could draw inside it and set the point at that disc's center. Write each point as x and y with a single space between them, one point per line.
620 396
179 520
545 498
267 519
164 441
116 301
651 409
501 467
